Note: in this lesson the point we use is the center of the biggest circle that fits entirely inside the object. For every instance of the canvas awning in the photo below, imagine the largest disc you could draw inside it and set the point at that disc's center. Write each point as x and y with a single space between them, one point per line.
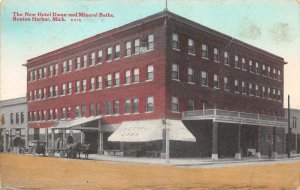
75 124
151 130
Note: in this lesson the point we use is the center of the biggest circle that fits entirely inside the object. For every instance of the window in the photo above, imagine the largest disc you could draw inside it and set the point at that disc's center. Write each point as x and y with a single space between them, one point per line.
127 48
251 89
99 84
39 115
275 74
99 56
150 104
236 86
117 79
264 70
109 54
98 109
84 61
150 71
256 90
31 75
11 118
236 61
135 105
117 51
107 108
127 106
78 86
216 55
50 114
191 75
191 46
269 72
175 104
136 46
175 41
69 66
55 90
243 87
204 51
69 113
116 107
204 78
244 64
40 94
63 113
150 42
45 72
84 85
91 110
191 105
127 77
64 67
274 93
83 110
3 119
279 95
92 83
256 68
35 74
69 88
77 112
175 72
136 75
63 89
226 86
17 118
108 81
93 56
279 75
22 117
269 93
264 94
216 81
40 73
78 63
34 94
34 116
45 93
51 91
251 68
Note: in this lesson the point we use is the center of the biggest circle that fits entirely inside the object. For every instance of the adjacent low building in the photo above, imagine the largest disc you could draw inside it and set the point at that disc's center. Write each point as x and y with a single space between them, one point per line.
294 142
13 124
128 89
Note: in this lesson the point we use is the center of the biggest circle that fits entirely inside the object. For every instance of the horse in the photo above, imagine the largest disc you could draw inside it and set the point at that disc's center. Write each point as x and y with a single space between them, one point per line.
74 149
86 151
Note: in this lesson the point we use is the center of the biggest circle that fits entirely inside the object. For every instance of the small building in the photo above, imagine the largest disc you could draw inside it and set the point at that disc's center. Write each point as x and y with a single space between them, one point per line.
295 130
13 124
222 96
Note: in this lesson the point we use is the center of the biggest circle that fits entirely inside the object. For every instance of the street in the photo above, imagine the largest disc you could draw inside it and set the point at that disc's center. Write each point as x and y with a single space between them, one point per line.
36 172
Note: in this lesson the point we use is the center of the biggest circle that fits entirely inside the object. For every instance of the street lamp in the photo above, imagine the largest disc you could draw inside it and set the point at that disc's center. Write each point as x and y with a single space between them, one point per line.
165 123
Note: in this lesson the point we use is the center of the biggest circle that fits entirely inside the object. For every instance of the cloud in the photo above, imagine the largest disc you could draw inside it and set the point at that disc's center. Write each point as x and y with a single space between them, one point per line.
281 33
249 30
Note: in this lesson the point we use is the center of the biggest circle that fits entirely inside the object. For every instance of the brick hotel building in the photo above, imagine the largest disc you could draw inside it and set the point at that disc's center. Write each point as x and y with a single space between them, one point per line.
121 87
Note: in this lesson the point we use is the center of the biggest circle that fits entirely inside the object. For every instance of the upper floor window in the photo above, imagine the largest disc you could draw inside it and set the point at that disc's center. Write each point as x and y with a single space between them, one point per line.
264 93
69 66
83 110
135 106
77 111
244 64
128 48
279 75
175 104
108 55
190 75
269 72
204 51
191 46
236 61
117 51
92 83
216 81
275 76
236 86
64 67
127 106
99 85
216 55
251 89
175 41
136 46
11 118
127 77
226 58
45 72
150 72
93 56
78 86
175 72
226 85
117 79
22 117
150 104
99 56
17 118
108 81
244 87
107 108
84 61
63 113
264 70
136 75
257 68
116 107
279 95
191 105
84 85
77 63
63 89
251 68
150 41
256 90
51 91
98 109
69 88
204 78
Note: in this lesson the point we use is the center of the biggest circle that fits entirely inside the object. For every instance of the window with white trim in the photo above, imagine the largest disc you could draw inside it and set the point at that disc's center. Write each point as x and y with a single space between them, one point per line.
84 61
191 105
69 66
251 89
226 85
269 71
256 90
226 58
109 54
51 91
45 93
191 46
116 107
45 72
175 105
77 63
216 81
99 56
244 91
150 72
244 64
136 46
107 108
257 68
117 51
135 106
190 75
117 79
92 83
204 78
40 94
77 112
175 41
93 57
83 110
150 42
78 86
136 75
70 88
279 95
216 55
99 83
63 92
108 81
275 74
91 110
150 104
264 70
84 85
236 61
279 75
127 76
128 48
64 67
175 72
236 86
251 68
204 51
127 106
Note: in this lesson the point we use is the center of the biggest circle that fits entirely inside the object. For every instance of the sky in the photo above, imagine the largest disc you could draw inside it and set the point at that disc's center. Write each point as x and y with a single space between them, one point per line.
272 25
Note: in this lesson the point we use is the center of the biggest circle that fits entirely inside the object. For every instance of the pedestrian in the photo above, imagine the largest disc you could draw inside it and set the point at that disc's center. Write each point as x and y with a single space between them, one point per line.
69 139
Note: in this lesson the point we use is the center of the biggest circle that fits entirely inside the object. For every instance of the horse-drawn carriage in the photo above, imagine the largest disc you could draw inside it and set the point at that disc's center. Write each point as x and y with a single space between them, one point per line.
37 147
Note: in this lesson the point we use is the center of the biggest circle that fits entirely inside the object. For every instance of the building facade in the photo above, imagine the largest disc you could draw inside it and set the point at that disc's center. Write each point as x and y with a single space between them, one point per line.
13 126
162 67
295 130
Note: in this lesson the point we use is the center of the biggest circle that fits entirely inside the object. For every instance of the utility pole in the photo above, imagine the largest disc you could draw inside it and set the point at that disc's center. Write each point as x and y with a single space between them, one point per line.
289 130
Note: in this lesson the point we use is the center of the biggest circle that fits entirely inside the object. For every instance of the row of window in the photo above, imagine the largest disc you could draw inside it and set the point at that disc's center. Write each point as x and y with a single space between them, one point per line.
239 86
131 106
130 76
112 52
239 62
15 118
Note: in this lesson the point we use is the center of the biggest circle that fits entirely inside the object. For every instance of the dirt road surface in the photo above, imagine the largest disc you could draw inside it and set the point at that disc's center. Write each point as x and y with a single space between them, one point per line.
29 172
